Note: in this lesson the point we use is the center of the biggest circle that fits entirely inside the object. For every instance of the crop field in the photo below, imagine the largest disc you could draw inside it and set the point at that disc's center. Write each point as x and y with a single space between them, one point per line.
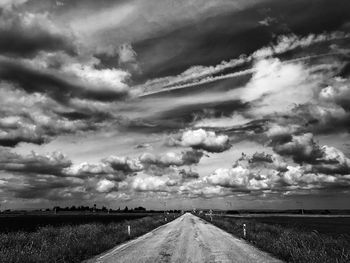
73 242
31 222
327 225
293 239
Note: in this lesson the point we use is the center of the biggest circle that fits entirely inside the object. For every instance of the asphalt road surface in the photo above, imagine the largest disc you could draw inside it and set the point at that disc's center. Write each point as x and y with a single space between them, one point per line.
186 239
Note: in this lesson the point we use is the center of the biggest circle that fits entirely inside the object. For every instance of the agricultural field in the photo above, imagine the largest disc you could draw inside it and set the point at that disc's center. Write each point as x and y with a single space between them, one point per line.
32 221
71 238
331 225
293 238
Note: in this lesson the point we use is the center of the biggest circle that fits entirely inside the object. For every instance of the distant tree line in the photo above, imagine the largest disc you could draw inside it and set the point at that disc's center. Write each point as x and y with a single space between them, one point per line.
94 208
104 209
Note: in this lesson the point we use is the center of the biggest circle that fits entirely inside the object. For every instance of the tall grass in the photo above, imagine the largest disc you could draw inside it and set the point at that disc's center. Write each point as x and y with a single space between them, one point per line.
70 243
289 243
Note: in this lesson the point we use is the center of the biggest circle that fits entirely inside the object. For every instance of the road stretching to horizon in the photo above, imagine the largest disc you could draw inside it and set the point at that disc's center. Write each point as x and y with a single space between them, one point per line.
186 239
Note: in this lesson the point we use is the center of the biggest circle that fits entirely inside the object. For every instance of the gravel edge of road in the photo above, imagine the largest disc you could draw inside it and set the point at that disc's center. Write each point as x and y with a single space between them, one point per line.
126 243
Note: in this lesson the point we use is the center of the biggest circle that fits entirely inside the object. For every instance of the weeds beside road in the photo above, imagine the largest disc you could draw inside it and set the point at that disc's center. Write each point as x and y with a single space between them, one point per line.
71 243
289 243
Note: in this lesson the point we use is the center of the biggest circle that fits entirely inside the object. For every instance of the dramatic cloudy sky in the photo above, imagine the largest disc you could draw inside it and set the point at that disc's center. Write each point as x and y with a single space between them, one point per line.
188 103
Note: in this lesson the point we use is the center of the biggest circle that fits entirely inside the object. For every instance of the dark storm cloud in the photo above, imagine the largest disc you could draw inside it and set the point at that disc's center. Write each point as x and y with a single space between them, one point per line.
173 117
33 163
123 164
51 189
206 43
302 148
26 34
188 174
36 118
13 139
261 157
57 87
210 41
251 129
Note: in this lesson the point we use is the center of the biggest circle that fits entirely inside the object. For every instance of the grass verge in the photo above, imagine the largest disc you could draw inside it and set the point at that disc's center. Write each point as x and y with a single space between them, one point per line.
71 243
289 243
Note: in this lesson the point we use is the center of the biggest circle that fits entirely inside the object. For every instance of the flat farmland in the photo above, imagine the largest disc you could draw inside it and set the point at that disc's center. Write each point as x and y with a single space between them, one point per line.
333 225
292 238
33 221
70 237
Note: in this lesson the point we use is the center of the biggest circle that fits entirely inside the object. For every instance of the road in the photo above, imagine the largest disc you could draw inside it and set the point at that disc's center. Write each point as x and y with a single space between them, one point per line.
186 239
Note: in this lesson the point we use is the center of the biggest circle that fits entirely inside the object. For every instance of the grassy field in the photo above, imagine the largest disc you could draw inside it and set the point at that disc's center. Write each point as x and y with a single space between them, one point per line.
334 226
315 240
71 243
33 221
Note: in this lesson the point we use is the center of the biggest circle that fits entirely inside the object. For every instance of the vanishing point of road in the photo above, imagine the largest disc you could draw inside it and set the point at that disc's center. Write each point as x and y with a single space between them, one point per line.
186 239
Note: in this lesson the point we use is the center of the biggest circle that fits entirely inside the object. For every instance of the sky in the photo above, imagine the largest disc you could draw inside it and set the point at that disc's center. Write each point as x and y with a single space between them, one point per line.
228 104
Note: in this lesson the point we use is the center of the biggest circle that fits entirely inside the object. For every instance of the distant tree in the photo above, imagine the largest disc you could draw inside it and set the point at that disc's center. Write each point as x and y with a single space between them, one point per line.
126 209
140 208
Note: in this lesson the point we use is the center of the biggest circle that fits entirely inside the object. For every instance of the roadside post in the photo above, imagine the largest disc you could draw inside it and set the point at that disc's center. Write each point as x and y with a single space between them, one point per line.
244 230
165 212
129 232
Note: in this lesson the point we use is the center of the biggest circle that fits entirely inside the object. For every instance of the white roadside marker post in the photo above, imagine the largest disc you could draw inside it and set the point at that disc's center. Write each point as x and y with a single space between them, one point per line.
129 232
244 231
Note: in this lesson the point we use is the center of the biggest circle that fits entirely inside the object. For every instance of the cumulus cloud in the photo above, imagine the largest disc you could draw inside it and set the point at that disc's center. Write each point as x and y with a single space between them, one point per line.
277 86
105 186
118 196
236 177
152 184
338 92
302 148
333 161
204 140
113 167
268 172
88 169
172 159
38 177
35 118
